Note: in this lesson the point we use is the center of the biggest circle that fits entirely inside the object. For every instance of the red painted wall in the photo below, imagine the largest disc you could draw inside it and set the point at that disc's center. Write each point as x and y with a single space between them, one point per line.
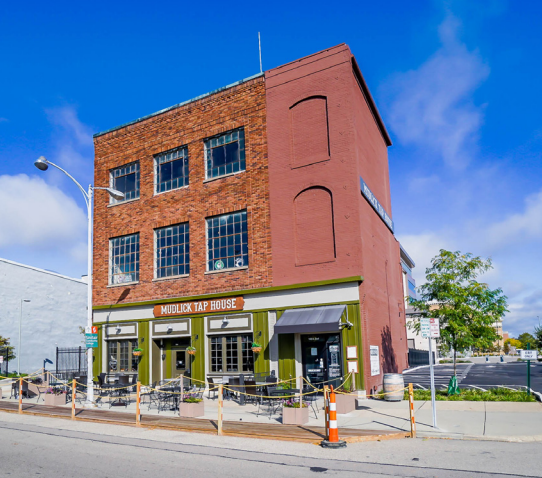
297 161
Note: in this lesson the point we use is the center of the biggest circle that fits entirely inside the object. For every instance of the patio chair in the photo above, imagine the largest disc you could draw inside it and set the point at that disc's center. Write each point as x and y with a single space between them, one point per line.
253 394
212 387
152 395
271 379
15 389
310 399
272 403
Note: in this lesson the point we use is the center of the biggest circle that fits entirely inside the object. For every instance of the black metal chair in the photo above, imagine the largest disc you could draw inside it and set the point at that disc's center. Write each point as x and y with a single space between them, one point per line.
212 387
310 399
253 394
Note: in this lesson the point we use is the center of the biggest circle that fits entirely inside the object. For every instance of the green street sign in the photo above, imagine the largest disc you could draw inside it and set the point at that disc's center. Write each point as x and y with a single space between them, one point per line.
91 341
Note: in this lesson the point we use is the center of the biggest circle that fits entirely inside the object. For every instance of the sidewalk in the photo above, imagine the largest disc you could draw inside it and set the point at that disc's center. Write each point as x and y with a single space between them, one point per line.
502 421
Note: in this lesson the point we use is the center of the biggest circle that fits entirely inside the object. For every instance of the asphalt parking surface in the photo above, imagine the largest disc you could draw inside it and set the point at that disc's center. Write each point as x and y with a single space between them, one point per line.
490 375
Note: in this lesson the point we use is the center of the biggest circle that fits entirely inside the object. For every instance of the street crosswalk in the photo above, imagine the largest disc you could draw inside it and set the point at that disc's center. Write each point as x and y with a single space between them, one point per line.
420 376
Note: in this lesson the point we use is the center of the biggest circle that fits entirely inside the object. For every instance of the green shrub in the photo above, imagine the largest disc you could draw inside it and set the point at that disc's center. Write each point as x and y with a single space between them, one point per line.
491 395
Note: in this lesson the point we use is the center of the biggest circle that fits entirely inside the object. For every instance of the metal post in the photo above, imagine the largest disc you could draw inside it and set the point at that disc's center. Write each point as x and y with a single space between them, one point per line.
73 399
241 389
181 398
529 372
90 358
432 384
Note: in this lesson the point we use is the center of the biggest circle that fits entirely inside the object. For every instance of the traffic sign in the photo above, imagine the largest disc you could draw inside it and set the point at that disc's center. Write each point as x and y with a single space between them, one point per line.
434 328
425 328
1 359
528 354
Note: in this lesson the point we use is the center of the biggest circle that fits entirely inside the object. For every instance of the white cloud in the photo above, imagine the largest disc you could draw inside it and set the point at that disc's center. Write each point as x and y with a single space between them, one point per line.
432 106
519 228
39 216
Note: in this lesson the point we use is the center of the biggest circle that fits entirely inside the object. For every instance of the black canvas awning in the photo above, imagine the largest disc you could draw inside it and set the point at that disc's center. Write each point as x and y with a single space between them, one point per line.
310 320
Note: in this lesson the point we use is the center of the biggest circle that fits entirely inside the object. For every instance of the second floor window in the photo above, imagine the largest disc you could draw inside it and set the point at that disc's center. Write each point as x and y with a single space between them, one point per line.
124 263
126 179
225 154
172 251
171 169
227 241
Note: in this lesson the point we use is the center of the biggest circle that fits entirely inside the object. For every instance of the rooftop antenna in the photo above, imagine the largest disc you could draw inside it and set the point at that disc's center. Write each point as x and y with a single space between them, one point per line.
260 46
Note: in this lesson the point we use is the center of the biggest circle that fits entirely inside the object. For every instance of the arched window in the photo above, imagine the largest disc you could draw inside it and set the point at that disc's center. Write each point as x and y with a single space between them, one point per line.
314 231
310 138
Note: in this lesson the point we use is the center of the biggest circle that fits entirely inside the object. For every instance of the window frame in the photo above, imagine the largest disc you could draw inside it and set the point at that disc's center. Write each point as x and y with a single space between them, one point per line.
156 248
131 345
241 153
112 179
207 239
223 340
157 167
110 274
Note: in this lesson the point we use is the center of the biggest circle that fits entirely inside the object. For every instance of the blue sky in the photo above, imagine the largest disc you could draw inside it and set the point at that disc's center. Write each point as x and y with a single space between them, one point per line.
456 82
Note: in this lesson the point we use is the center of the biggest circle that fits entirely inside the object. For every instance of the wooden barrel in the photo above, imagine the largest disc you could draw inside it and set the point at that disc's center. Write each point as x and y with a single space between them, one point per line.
393 387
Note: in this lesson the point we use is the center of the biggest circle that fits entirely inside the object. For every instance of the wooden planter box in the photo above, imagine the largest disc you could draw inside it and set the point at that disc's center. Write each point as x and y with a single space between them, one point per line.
345 403
55 400
191 410
295 416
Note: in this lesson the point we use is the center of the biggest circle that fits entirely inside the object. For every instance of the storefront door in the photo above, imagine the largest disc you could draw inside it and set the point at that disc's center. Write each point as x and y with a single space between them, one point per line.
322 360
179 361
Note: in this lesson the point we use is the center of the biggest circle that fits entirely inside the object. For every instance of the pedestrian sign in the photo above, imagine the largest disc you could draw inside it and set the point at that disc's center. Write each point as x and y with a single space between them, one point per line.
91 341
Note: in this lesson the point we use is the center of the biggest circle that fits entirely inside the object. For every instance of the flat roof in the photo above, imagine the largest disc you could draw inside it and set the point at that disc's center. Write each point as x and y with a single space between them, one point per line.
44 271
178 105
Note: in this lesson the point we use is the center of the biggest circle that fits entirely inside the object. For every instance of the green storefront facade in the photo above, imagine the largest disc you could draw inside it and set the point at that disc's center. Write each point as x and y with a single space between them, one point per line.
222 339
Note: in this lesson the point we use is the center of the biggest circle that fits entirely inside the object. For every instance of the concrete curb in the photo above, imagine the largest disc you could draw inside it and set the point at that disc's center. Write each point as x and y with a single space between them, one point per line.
458 436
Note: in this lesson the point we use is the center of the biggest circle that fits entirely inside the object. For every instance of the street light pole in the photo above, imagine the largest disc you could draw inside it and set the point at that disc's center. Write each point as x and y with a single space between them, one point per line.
20 327
42 164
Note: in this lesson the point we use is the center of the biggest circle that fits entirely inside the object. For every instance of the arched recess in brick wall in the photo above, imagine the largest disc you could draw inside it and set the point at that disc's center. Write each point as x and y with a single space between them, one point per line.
309 127
314 229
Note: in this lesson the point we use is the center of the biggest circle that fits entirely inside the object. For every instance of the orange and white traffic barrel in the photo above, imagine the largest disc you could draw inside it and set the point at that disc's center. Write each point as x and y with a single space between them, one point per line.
332 440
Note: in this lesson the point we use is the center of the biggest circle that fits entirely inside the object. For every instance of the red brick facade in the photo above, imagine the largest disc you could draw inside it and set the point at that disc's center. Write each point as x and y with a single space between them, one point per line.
239 106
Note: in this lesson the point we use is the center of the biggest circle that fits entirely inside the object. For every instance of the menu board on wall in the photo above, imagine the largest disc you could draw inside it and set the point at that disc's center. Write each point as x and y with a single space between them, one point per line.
375 360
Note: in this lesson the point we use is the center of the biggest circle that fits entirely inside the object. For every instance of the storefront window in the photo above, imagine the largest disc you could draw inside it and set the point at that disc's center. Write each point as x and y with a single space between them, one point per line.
120 357
231 353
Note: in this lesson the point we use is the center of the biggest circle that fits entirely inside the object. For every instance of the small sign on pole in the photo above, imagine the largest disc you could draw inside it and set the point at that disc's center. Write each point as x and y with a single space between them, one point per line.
528 354
91 341
434 328
425 328
1 359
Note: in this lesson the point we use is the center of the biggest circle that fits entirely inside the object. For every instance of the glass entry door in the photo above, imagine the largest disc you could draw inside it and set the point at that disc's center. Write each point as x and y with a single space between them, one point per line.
179 361
322 360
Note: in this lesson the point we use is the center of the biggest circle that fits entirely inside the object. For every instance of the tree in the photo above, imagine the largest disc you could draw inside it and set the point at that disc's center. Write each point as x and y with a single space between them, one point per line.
466 308
4 345
526 338
511 343
538 336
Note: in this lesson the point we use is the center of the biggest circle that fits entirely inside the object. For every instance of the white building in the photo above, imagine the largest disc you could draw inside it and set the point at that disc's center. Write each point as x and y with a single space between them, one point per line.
56 309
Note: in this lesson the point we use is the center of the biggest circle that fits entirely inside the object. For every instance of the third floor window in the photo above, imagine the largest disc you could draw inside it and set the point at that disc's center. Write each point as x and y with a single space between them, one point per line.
225 154
171 169
125 179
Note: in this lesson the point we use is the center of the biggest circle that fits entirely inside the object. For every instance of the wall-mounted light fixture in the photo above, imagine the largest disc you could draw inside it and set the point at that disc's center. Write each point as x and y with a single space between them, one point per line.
118 329
163 356
196 337
169 329
225 321
260 333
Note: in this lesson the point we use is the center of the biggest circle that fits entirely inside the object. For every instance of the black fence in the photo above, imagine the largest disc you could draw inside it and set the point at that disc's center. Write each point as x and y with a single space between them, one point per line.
71 362
418 357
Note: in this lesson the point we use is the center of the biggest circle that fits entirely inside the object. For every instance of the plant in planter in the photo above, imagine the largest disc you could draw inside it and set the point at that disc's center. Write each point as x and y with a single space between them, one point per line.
191 407
256 347
137 352
55 397
191 350
293 413
345 400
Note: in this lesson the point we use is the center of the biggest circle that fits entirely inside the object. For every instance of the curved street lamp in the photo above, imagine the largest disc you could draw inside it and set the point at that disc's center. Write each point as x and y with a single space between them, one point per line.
43 164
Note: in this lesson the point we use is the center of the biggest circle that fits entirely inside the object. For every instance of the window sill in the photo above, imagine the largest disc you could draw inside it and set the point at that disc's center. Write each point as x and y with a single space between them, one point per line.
171 190
227 270
160 279
224 176
123 284
123 202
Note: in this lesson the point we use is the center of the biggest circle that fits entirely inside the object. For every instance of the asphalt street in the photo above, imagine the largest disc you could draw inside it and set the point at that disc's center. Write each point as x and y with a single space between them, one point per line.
512 374
27 450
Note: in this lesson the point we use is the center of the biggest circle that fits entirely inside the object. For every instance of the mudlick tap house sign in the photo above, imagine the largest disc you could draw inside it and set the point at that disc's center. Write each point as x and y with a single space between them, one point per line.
199 307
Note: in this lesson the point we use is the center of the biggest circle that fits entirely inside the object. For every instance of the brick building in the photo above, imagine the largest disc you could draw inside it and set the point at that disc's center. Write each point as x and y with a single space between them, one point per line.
259 212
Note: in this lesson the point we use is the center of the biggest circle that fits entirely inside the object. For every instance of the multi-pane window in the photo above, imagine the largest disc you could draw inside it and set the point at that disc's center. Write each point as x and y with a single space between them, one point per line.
124 263
172 251
231 353
120 357
227 241
126 180
225 154
172 169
